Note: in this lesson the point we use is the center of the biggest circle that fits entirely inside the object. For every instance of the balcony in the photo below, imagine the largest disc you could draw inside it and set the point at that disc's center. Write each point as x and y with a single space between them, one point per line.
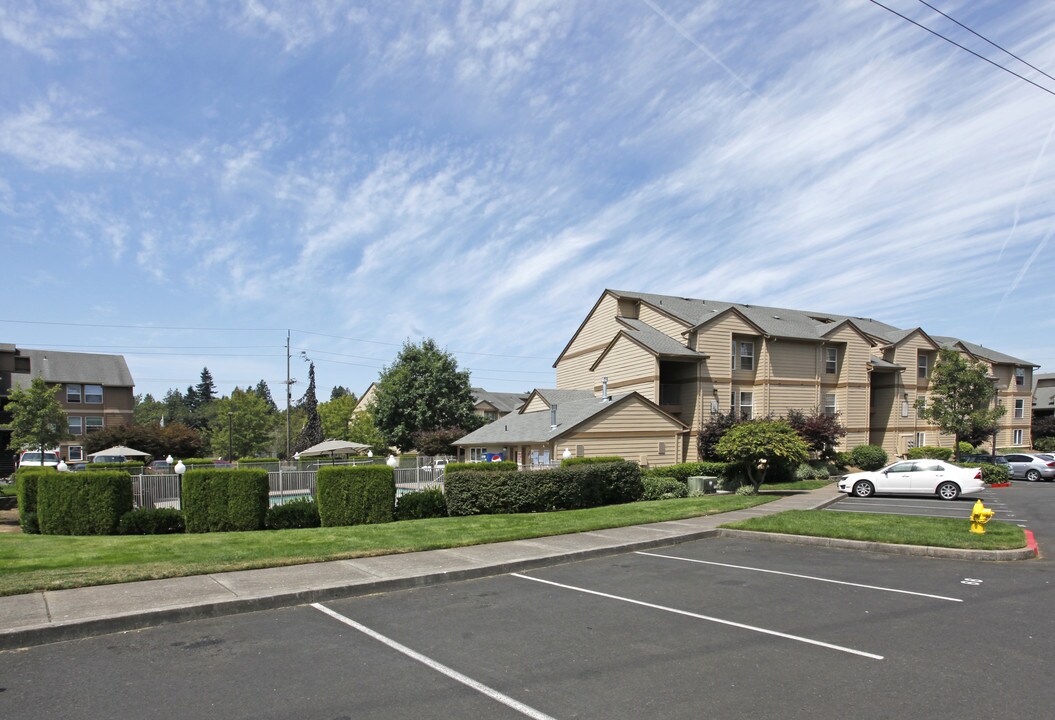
670 398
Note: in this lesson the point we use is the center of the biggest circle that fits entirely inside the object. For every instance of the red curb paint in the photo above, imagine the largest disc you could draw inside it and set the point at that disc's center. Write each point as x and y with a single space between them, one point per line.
1000 485
1031 543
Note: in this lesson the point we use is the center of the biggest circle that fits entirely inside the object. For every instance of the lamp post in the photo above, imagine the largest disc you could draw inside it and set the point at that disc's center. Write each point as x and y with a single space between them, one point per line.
62 466
392 462
179 470
230 436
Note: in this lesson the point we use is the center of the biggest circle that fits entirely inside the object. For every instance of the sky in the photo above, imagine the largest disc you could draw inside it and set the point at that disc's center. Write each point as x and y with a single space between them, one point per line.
184 183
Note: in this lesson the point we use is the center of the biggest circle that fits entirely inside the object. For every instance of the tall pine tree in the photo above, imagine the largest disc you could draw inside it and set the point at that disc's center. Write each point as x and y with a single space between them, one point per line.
312 432
206 388
263 392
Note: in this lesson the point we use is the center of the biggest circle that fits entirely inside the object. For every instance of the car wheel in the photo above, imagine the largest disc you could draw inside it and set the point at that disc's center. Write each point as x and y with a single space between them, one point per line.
1032 476
948 491
864 489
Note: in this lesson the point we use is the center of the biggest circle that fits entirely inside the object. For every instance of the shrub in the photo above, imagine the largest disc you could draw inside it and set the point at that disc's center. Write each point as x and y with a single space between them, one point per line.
992 474
819 430
579 486
257 460
683 471
591 460
421 504
663 488
930 452
868 457
805 471
151 521
503 466
132 468
29 522
26 494
711 432
83 504
746 489
222 500
1045 444
356 495
840 461
301 513
964 448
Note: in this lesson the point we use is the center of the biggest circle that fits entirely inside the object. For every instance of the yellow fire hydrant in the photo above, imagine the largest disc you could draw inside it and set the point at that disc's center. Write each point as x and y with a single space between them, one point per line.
980 515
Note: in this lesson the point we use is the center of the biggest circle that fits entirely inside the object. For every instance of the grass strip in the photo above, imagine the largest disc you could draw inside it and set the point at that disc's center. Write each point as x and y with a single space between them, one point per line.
49 562
897 529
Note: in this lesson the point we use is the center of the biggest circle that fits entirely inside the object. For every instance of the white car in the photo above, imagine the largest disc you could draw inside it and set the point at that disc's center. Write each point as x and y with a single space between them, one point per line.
916 477
31 458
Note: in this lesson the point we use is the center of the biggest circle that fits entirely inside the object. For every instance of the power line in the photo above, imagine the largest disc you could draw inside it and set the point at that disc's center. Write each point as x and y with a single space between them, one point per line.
966 49
949 17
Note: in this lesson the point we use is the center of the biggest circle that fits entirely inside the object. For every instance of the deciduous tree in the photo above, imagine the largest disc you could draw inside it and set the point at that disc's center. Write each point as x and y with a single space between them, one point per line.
961 397
37 419
758 445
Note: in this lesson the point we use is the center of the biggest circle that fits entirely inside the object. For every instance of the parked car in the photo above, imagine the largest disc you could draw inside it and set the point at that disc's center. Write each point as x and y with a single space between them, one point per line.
1032 467
32 457
916 477
161 466
970 459
109 459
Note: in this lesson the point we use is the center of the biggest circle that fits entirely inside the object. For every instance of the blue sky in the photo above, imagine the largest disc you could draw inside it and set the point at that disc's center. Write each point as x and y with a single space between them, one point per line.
182 182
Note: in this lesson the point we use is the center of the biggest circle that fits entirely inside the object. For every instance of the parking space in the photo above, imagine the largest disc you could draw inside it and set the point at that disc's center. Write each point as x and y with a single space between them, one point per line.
931 506
721 628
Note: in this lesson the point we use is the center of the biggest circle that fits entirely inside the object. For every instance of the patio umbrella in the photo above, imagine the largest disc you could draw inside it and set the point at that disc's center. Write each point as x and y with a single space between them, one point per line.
334 448
120 450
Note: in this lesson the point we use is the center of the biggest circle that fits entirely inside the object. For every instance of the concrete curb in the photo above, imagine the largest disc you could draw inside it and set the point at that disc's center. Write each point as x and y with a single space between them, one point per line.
78 629
1026 553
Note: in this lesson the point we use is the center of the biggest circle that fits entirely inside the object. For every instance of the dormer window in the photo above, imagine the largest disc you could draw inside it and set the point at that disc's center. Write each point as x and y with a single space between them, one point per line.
1020 377
743 355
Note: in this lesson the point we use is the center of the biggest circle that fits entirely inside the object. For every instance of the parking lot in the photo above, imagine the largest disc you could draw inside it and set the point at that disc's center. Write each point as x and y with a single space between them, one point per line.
715 628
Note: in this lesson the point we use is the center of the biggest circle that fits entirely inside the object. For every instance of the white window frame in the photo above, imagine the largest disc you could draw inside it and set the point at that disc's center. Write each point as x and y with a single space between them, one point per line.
1020 408
1020 377
75 424
90 427
1016 437
749 405
831 408
75 453
73 398
922 366
921 405
921 439
93 394
662 449
751 356
831 362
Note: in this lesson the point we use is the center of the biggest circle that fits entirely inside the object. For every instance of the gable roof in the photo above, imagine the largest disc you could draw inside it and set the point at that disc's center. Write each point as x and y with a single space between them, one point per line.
502 402
73 367
553 396
534 428
651 340
983 352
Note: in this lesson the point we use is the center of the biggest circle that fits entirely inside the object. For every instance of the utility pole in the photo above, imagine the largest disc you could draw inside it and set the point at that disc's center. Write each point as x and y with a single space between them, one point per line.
289 394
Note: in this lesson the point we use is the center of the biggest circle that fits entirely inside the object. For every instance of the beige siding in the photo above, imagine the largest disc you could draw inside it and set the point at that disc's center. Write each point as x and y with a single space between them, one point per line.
663 323
536 404
573 369
628 367
632 430
575 372
640 450
793 360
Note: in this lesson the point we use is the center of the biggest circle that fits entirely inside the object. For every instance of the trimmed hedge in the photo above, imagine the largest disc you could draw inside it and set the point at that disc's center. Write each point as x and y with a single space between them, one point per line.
683 471
565 488
303 513
132 468
600 460
868 457
356 494
223 500
929 452
26 494
502 466
151 521
421 504
663 488
88 504
990 473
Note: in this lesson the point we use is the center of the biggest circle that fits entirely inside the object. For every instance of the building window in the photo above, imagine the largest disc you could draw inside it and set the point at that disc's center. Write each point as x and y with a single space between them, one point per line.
921 439
746 405
76 425
921 363
580 451
747 356
829 404
93 424
1020 377
921 406
831 365
1020 409
662 448
93 394
75 453
1017 437
73 393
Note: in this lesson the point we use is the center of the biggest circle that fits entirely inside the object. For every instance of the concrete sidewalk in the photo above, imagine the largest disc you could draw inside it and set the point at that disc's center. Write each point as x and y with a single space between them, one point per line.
53 616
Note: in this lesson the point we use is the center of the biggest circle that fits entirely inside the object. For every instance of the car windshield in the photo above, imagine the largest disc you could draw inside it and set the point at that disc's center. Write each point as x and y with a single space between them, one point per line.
35 457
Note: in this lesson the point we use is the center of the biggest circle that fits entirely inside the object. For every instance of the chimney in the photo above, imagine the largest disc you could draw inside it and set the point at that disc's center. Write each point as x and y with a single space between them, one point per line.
604 389
553 417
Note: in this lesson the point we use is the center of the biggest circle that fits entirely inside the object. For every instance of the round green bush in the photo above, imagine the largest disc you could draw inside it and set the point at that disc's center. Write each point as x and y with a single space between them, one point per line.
663 488
868 457
1045 444
301 513
421 504
151 521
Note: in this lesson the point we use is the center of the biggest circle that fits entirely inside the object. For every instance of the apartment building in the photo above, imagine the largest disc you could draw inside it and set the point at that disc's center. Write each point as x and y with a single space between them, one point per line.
695 358
95 391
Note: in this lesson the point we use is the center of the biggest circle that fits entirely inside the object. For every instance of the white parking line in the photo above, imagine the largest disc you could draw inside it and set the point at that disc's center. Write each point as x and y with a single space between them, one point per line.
708 618
893 512
438 667
804 577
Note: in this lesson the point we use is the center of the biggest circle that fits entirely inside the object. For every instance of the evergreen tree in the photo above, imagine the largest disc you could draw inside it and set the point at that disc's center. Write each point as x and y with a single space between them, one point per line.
340 391
312 432
206 388
263 392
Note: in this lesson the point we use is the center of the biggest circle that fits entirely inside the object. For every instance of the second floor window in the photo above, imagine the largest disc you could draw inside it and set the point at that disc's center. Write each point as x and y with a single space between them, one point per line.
921 362
93 394
829 404
73 393
93 424
831 363
76 425
747 356
1020 409
746 405
921 406
1020 377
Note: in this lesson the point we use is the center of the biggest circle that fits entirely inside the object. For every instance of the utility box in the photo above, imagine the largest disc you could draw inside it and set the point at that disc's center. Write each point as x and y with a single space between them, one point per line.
707 484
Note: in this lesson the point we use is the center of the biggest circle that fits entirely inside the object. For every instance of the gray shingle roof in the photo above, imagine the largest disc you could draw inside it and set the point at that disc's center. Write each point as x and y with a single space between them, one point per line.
534 427
983 352
72 367
656 341
882 364
503 402
563 396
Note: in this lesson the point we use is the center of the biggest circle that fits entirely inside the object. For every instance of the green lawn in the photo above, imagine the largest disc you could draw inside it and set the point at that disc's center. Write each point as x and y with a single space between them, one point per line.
48 562
898 529
7 489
